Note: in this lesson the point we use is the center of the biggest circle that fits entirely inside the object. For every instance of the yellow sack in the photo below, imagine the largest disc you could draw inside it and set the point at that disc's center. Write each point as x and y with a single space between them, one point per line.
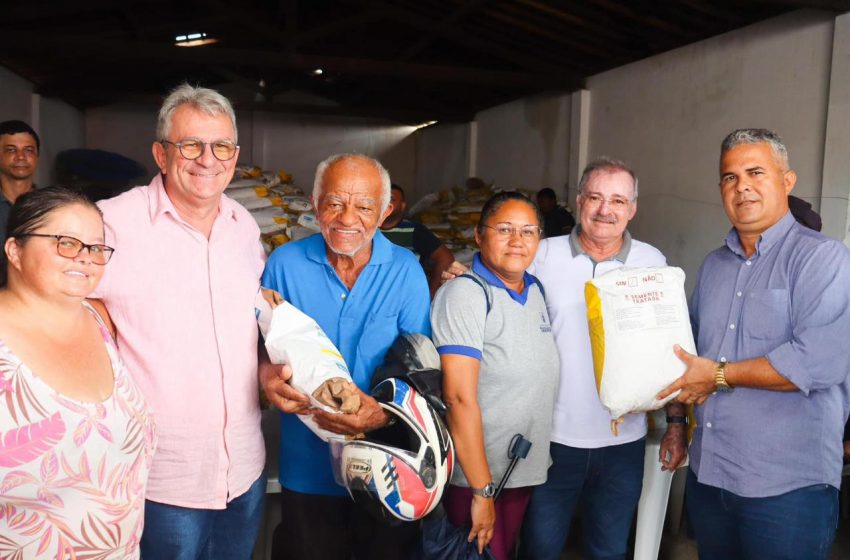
635 316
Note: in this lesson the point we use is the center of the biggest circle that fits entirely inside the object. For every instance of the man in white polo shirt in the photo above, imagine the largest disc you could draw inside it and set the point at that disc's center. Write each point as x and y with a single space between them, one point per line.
591 466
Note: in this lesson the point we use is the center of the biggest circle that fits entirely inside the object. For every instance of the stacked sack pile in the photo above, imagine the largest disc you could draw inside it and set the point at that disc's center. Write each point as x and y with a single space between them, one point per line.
282 210
452 215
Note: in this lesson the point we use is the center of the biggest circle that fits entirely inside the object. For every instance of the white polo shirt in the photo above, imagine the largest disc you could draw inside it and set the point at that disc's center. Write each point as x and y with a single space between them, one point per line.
563 267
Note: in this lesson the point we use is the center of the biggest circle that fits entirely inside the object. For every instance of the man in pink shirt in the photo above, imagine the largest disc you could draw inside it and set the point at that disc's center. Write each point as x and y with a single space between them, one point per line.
181 290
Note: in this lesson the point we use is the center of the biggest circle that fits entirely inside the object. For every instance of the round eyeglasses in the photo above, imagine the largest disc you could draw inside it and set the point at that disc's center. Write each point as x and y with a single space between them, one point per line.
506 230
223 150
69 247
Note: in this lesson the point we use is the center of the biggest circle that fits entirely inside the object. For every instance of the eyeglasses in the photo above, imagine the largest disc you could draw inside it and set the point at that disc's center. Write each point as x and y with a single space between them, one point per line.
69 247
223 150
617 202
507 230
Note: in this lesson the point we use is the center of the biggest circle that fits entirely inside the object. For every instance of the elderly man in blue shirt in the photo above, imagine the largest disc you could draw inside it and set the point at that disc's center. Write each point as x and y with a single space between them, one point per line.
363 291
771 313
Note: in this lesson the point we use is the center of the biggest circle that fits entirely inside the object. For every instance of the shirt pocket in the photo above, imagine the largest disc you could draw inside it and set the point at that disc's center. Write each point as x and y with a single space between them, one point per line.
766 315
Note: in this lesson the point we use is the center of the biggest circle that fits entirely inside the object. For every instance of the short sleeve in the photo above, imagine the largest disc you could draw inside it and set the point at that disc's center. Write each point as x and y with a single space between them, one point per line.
424 241
458 318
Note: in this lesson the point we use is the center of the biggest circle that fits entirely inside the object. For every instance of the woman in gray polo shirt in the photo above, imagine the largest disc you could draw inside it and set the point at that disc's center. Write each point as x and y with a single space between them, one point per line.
500 372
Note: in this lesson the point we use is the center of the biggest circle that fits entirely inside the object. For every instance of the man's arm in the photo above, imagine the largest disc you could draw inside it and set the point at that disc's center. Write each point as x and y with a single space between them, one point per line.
274 379
697 383
674 444
440 260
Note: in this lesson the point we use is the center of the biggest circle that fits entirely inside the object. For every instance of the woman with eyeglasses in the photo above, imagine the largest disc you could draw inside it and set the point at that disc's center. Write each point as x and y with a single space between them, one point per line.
500 373
76 437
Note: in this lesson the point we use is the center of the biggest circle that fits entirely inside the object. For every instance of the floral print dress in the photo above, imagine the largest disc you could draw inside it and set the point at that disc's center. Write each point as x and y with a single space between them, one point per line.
72 474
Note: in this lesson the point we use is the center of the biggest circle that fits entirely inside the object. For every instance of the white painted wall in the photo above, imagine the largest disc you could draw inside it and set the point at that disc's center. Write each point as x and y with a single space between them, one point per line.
272 141
128 130
442 155
15 97
526 143
667 115
61 127
299 143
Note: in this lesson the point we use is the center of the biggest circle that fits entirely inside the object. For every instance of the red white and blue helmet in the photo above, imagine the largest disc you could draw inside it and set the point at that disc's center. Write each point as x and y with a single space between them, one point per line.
399 471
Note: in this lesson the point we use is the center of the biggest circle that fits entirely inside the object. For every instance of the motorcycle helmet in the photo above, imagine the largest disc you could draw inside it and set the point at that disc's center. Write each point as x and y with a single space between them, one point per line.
413 358
398 472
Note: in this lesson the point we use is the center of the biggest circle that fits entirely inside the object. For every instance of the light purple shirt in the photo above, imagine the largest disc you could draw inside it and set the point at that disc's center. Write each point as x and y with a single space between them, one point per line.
790 302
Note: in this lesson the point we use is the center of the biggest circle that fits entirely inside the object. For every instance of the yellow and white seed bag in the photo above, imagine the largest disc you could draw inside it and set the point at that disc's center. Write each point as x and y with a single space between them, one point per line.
635 316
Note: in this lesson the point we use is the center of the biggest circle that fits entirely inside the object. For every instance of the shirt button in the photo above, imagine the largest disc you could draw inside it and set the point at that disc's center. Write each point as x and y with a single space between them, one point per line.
739 294
342 296
722 358
708 425
749 263
732 326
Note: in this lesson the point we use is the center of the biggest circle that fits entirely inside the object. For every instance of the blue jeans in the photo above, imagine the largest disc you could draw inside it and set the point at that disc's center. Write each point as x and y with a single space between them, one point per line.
796 525
179 533
605 482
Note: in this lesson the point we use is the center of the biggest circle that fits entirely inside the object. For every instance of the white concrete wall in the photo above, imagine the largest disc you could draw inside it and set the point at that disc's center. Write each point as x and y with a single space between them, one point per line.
525 143
272 141
667 115
15 97
61 127
299 143
128 130
442 156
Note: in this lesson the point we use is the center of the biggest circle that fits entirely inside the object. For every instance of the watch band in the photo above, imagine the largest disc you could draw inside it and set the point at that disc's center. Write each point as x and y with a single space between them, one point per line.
488 491
677 419
720 381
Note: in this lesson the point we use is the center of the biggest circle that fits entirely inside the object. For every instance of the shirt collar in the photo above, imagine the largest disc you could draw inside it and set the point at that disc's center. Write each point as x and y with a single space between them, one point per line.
767 239
577 249
160 203
479 268
382 249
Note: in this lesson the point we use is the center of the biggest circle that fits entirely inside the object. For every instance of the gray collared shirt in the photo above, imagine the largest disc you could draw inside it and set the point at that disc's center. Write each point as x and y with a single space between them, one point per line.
789 302
577 249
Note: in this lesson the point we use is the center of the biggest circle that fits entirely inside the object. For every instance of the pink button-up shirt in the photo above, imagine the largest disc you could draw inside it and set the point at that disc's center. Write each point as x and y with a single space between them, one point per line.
183 306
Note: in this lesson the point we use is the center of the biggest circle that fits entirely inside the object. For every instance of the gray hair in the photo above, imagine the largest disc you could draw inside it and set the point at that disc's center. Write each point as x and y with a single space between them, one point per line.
607 165
203 99
757 136
324 165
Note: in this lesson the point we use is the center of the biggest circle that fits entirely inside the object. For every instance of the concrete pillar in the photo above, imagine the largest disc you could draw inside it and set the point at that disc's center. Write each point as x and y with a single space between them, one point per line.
579 140
835 193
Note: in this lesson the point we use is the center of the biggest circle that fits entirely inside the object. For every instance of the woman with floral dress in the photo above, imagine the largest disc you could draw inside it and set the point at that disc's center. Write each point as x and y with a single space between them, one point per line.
76 437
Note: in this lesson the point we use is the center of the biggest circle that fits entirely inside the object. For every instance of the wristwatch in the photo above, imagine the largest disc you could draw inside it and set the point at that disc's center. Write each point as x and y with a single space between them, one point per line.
487 492
677 420
720 383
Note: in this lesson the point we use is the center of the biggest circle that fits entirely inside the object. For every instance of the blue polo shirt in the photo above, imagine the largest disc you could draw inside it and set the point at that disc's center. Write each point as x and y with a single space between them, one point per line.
390 297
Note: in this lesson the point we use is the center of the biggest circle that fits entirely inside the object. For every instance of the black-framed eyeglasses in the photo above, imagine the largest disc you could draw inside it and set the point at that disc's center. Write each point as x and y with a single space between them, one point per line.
506 230
191 148
69 247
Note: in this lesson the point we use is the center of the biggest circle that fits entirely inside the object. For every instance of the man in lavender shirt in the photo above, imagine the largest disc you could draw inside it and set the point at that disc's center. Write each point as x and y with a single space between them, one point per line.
771 313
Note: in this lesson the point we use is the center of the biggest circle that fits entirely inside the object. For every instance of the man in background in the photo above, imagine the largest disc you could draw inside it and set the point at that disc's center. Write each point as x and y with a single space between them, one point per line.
19 145
433 255
556 219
